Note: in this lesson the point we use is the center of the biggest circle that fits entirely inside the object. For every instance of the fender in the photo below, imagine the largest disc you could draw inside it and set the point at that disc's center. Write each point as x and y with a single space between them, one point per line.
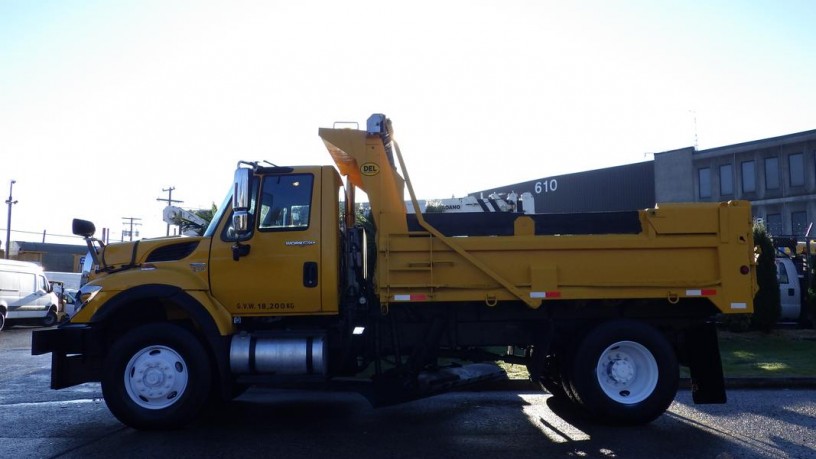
218 344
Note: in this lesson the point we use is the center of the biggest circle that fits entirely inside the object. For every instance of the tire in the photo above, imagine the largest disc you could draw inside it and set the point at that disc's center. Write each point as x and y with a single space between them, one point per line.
50 319
156 376
624 372
551 372
2 320
548 375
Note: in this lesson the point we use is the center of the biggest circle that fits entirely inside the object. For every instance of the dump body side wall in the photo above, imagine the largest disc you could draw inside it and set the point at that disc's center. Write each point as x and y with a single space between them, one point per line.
707 253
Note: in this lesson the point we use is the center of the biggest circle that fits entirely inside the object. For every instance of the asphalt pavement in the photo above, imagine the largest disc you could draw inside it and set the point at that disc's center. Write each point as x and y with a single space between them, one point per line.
512 420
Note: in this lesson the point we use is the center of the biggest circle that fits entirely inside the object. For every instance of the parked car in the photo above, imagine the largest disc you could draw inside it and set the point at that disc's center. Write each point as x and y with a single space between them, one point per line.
26 294
71 302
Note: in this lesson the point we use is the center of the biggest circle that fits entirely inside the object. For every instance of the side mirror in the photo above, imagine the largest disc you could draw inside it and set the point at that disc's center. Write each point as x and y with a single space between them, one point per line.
83 228
240 201
240 221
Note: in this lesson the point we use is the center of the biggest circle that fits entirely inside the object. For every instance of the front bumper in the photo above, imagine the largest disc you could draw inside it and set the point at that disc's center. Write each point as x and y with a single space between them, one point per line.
77 352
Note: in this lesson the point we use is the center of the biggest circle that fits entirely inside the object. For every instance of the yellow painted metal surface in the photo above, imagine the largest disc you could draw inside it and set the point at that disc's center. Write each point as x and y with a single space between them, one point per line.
651 264
190 274
269 281
683 250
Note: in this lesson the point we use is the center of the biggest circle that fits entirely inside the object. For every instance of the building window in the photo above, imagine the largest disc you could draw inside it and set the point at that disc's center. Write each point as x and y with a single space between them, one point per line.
773 223
796 168
748 177
799 223
705 182
772 173
726 179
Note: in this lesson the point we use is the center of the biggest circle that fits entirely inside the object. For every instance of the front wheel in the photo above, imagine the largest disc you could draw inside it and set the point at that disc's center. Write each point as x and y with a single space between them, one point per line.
157 376
50 319
625 372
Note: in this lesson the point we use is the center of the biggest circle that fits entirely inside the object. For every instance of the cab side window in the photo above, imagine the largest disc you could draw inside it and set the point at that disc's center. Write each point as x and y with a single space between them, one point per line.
285 202
42 284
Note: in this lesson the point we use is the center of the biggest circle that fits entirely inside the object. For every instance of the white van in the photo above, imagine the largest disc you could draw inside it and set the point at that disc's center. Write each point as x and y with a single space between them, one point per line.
25 294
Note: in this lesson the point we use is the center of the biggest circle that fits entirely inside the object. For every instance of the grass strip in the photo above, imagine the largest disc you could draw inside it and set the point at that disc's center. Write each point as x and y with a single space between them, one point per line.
779 354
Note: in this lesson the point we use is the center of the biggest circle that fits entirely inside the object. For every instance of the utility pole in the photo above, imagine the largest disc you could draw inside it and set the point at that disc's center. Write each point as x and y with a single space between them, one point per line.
169 201
131 221
10 201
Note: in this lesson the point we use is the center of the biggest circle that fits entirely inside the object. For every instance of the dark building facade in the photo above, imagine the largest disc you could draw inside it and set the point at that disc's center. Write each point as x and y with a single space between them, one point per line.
627 187
52 257
777 174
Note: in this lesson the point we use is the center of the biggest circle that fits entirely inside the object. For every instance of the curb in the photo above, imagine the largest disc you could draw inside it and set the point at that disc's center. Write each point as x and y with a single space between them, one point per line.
762 383
524 385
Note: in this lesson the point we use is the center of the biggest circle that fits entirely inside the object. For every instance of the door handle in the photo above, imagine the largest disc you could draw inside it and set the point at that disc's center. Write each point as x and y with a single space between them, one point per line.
310 274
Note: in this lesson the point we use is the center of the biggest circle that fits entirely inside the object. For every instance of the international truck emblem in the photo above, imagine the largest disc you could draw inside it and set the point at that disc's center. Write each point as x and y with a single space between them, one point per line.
370 169
299 243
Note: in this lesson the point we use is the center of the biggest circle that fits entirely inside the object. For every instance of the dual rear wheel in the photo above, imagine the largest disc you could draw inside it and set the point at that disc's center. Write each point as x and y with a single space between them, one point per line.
620 372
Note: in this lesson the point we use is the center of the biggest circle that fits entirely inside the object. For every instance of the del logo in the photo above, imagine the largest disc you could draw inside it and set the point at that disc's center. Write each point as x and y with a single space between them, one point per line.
370 169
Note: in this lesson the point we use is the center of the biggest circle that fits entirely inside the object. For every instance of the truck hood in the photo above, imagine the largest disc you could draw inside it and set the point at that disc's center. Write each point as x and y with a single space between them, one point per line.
126 255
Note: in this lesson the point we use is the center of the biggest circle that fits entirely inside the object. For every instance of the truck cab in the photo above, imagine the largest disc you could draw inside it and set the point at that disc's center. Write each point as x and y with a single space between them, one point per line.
290 237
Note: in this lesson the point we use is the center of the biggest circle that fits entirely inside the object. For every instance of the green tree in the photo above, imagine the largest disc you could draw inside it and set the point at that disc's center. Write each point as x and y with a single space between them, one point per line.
767 307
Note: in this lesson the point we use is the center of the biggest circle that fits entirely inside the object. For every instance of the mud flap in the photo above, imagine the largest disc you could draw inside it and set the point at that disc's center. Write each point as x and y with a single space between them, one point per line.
391 389
705 366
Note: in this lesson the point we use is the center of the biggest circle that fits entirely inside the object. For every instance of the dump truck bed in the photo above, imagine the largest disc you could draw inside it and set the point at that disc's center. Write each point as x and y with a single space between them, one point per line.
669 252
682 251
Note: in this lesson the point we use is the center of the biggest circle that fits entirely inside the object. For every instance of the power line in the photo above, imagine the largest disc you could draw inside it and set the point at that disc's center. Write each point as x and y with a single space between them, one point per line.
44 231
132 222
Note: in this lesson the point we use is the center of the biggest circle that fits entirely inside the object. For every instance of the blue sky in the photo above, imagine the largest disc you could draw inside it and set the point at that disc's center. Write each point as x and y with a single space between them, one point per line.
105 103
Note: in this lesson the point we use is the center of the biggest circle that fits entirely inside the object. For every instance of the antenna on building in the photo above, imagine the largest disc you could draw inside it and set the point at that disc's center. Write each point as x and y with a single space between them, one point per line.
694 119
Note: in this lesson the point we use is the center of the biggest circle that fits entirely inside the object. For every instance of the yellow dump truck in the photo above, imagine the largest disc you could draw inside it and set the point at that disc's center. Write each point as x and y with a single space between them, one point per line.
289 287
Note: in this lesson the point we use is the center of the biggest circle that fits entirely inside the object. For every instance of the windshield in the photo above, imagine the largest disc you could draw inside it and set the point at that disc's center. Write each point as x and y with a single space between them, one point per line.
219 213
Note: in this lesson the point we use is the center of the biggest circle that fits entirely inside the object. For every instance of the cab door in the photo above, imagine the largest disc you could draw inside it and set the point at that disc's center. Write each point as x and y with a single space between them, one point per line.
280 272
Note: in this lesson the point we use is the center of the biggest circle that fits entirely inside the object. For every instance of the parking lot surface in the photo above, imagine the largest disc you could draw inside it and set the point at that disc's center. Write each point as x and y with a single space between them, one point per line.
37 422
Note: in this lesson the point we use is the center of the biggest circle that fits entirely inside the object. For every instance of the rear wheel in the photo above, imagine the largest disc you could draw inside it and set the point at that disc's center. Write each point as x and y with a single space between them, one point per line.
551 373
550 377
2 320
625 372
157 376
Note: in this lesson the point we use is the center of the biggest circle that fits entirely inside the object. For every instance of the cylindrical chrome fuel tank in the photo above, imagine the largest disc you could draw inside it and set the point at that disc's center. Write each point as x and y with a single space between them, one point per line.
281 355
